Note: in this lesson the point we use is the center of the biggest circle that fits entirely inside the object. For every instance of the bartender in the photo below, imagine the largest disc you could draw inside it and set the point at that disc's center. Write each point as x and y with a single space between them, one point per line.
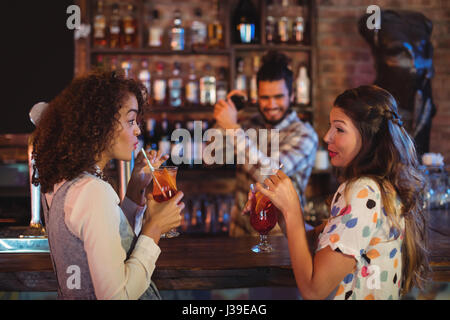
298 140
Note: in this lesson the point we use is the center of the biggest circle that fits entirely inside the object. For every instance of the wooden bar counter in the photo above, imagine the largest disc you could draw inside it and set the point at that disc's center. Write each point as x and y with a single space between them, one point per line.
204 263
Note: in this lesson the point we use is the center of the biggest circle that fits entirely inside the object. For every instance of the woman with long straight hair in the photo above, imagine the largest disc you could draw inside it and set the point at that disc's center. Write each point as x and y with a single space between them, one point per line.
373 245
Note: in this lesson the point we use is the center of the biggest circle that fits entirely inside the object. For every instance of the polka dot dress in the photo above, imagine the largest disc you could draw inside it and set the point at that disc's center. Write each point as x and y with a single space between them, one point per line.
358 226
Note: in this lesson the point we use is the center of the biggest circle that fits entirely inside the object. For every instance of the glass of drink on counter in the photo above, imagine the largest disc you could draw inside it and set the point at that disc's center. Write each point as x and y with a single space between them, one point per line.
263 218
166 190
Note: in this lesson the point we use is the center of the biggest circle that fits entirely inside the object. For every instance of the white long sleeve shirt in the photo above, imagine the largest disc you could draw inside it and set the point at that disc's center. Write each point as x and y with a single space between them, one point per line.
92 214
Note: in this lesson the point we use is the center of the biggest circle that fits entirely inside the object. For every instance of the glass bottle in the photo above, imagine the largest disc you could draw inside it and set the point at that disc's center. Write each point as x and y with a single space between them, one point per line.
198 31
145 77
245 23
222 85
215 30
114 27
159 85
302 87
253 83
208 87
155 31
165 144
175 87
283 30
192 87
151 138
241 78
270 29
126 67
298 28
129 28
100 35
176 33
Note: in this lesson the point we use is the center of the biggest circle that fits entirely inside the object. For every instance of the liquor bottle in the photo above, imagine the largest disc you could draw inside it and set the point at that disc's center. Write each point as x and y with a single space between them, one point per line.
253 83
114 27
176 33
198 31
129 27
177 148
190 145
222 85
298 28
150 137
164 143
245 23
155 31
208 87
100 35
192 87
159 86
283 30
126 67
175 87
270 29
215 30
145 77
302 87
241 78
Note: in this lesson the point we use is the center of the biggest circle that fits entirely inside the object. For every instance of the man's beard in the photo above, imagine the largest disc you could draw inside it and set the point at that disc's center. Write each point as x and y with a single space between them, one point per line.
275 122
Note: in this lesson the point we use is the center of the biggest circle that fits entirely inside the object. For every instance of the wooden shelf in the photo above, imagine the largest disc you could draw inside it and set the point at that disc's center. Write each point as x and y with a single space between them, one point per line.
149 51
277 46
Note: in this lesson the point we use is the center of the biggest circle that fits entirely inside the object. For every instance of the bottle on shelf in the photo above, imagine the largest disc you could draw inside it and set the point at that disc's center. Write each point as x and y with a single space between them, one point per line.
298 28
245 26
100 30
115 30
190 144
208 87
175 87
283 29
155 31
145 77
241 78
270 29
302 87
198 31
215 30
222 85
192 87
159 86
129 28
178 148
150 137
253 82
165 144
126 68
176 33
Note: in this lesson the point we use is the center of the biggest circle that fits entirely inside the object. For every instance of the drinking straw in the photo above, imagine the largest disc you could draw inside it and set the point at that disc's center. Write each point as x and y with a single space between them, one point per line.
152 171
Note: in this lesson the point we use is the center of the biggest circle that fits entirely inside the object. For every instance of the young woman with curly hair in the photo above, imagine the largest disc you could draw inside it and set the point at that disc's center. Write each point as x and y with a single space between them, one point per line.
92 235
373 246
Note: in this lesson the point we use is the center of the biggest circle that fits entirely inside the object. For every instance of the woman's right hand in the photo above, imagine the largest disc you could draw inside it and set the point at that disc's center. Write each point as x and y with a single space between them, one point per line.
160 217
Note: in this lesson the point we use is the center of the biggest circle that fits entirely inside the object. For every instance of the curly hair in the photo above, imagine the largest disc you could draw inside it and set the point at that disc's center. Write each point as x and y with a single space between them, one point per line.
79 125
388 156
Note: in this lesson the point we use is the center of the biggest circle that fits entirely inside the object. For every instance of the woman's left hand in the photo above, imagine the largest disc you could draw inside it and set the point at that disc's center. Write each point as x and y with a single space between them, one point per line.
141 175
281 193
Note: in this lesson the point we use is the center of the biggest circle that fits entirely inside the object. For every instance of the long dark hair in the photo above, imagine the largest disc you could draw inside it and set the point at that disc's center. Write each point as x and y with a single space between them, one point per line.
388 156
79 124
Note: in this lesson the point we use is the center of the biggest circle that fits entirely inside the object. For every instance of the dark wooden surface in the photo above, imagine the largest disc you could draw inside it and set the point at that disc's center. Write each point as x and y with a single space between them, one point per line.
206 263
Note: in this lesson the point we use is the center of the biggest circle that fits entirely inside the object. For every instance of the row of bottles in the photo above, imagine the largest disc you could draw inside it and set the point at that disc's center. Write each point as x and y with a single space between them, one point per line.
175 85
208 213
119 29
280 25
157 135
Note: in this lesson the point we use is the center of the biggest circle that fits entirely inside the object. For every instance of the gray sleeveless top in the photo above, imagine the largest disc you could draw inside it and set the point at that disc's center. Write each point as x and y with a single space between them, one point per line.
67 251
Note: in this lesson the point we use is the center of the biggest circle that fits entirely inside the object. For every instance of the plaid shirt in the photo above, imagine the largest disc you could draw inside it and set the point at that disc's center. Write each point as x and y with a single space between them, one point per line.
297 146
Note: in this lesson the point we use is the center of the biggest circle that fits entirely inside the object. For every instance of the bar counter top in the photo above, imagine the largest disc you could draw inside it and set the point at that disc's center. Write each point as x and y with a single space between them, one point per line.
189 262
